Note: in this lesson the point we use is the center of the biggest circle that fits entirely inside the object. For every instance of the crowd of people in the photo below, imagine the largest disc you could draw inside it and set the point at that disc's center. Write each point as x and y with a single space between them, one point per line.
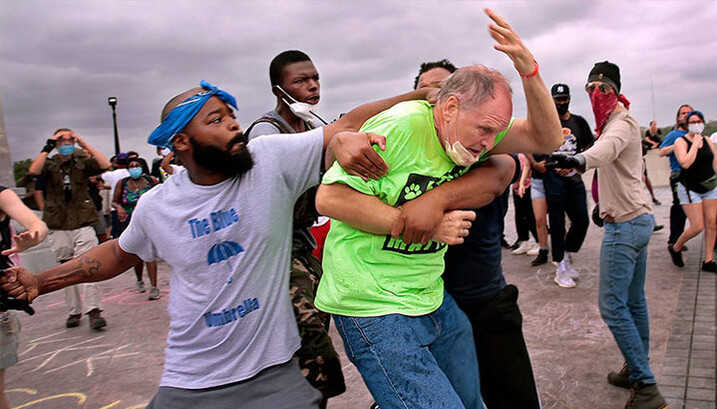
413 280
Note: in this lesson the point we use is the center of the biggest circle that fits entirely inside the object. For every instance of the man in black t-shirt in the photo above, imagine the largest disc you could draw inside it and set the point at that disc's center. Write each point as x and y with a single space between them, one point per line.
565 191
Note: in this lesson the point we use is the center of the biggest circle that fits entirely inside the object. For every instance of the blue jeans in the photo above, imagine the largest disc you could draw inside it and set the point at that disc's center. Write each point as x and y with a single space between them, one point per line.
423 362
623 266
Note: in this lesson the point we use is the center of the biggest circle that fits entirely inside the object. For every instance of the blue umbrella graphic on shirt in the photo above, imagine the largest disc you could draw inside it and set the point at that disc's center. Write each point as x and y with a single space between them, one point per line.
223 251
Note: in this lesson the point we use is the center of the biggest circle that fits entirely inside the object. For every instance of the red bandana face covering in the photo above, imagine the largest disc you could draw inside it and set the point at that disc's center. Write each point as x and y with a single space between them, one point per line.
603 105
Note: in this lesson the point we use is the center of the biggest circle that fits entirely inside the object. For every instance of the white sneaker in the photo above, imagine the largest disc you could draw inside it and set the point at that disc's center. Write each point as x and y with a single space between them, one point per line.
569 270
140 286
534 251
562 279
524 247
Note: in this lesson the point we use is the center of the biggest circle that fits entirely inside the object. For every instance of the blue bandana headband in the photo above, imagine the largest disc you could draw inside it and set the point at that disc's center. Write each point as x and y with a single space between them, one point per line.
179 117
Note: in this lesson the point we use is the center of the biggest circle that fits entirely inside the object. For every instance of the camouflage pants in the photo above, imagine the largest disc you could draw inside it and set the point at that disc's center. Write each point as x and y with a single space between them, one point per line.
317 357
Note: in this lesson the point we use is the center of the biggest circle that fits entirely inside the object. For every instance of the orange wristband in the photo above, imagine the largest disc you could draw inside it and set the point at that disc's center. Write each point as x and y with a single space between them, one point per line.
532 74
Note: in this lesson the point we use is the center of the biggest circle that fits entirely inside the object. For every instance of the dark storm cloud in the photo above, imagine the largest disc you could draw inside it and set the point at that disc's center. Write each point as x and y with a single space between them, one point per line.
59 61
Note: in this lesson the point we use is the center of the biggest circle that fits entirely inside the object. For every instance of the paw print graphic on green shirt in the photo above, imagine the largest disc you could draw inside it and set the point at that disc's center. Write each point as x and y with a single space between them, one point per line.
411 192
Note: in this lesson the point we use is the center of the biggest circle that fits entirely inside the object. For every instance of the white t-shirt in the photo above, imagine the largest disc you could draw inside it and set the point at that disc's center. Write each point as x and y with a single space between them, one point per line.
111 178
228 246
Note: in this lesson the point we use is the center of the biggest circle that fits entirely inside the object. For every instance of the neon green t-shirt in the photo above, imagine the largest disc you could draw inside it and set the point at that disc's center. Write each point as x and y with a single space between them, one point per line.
370 275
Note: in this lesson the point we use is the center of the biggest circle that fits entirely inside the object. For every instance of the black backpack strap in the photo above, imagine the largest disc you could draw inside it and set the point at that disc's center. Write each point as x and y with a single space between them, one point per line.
123 183
268 120
149 180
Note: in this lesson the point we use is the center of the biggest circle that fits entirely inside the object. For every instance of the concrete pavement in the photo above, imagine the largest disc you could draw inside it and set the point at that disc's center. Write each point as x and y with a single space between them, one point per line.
571 348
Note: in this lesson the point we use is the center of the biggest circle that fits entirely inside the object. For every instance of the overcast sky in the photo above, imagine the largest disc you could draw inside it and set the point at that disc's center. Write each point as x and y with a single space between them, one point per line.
59 61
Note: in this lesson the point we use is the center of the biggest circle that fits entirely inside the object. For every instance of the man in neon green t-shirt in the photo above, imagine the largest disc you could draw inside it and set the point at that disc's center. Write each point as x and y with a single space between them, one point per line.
411 343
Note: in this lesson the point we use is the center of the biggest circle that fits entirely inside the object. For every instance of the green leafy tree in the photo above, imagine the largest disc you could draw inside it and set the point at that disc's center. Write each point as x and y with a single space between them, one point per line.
20 168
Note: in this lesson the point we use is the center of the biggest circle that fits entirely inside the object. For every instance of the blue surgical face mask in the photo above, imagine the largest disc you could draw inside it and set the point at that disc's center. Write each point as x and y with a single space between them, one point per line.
66 150
135 173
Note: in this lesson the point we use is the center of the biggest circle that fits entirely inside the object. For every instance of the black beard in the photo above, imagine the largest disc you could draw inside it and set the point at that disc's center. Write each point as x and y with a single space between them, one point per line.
223 160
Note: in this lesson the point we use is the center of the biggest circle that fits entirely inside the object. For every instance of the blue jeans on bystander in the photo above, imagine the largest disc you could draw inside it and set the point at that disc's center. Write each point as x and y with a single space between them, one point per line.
423 362
623 266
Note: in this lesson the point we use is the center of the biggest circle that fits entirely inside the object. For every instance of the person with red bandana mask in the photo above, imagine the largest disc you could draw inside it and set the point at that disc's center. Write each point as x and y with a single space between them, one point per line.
629 222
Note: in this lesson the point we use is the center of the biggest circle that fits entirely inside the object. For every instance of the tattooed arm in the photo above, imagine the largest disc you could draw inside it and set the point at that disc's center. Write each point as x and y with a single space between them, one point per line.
101 263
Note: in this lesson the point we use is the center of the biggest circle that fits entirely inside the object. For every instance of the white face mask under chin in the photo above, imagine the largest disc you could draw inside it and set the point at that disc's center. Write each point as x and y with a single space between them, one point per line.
696 128
303 110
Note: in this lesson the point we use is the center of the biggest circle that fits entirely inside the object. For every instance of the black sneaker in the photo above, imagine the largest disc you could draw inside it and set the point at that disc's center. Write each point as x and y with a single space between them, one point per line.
541 258
645 396
96 320
676 256
709 266
620 379
73 320
658 227
504 243
374 406
656 202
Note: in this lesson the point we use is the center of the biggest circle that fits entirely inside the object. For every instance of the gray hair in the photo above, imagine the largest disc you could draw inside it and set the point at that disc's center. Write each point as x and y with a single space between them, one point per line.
473 85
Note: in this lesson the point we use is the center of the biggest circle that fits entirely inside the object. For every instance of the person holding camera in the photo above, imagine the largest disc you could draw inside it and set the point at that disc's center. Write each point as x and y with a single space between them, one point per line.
70 213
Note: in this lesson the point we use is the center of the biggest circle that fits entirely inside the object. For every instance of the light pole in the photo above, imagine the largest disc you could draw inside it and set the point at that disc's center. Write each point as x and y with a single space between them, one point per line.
113 103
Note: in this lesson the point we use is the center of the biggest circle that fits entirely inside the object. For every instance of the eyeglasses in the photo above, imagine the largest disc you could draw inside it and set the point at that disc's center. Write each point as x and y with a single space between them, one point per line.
604 88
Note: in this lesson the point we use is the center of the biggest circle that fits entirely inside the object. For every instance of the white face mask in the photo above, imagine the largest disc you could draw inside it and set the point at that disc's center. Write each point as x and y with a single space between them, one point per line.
696 128
457 152
306 112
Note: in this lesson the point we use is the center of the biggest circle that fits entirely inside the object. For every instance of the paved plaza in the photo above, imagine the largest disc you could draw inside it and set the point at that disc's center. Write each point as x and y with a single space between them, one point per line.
571 348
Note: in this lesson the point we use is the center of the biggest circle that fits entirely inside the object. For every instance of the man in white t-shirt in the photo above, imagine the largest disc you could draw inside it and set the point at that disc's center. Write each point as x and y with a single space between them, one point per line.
223 224
111 177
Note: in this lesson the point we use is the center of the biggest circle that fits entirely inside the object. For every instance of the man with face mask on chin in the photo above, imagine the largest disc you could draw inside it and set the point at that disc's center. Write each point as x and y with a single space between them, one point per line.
382 281
565 191
295 83
223 225
629 222
70 213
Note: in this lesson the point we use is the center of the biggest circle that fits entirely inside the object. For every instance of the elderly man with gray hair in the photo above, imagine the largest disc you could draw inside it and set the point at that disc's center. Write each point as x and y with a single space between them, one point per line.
412 344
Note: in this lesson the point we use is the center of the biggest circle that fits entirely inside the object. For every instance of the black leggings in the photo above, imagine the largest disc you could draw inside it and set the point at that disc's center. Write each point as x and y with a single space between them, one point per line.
524 216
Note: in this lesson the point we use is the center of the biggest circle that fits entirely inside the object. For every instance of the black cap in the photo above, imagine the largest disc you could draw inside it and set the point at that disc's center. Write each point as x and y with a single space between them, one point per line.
606 72
560 91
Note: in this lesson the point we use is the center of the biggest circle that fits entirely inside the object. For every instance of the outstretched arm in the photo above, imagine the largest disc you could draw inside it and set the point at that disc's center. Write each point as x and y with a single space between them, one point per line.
540 132
101 263
353 150
353 120
36 232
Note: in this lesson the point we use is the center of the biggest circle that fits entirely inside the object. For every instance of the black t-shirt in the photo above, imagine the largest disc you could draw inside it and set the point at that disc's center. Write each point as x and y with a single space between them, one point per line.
646 145
473 272
577 137
657 138
579 134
